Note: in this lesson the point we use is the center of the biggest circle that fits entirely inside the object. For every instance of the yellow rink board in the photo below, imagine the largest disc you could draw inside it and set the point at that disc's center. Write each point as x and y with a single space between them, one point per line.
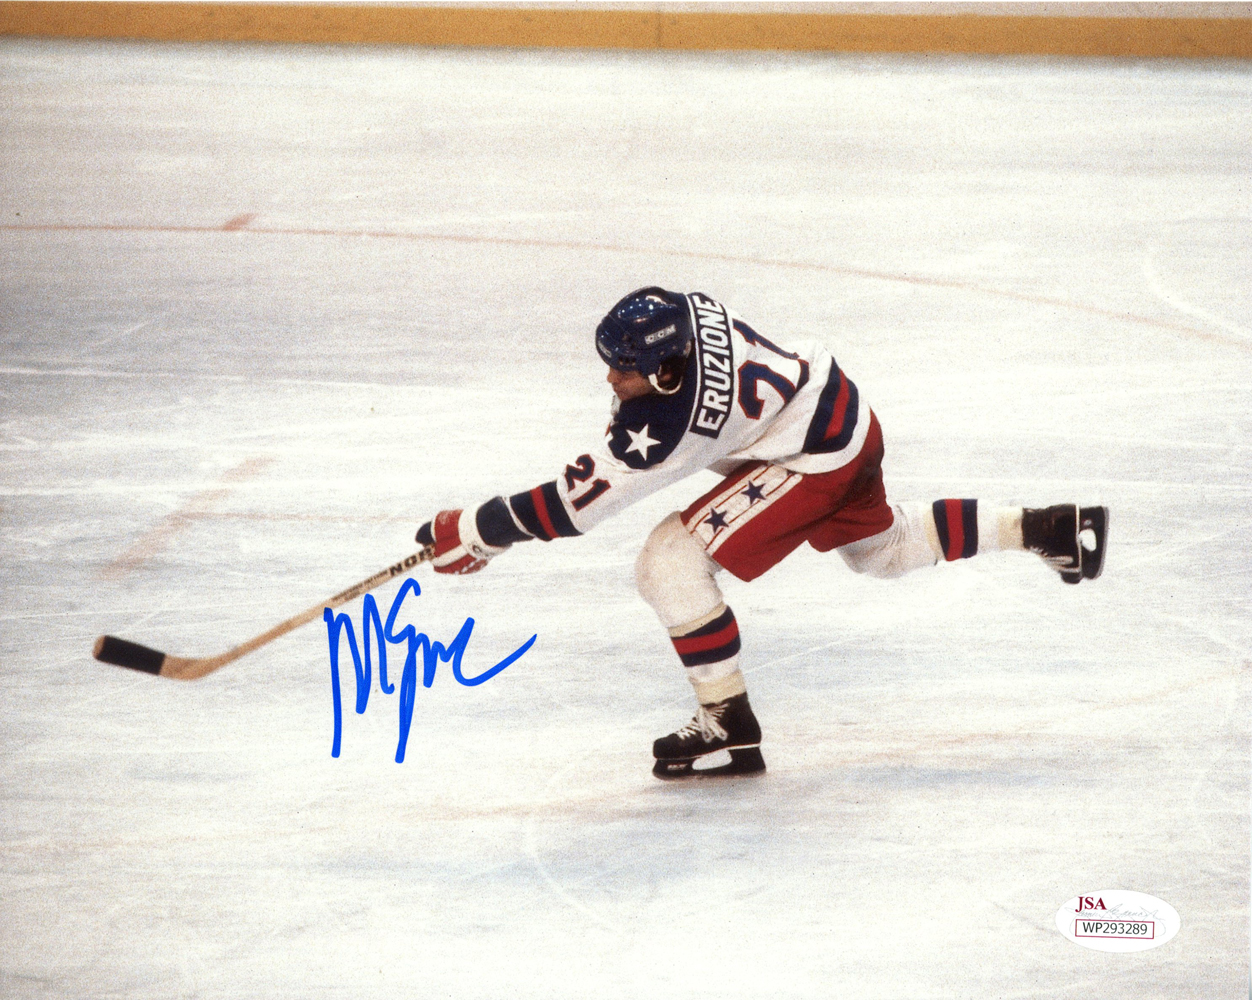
635 29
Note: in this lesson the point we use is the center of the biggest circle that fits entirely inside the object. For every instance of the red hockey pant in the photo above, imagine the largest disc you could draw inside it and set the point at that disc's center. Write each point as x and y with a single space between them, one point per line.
761 513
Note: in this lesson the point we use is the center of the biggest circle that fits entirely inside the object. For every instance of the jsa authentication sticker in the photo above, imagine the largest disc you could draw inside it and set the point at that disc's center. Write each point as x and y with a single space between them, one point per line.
1118 920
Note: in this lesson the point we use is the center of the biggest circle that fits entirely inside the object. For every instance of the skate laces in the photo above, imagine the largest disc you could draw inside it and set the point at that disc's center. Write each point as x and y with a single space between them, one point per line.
707 723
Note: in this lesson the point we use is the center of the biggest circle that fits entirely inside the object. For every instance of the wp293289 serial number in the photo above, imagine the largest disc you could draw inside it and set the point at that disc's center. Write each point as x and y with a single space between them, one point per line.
1113 928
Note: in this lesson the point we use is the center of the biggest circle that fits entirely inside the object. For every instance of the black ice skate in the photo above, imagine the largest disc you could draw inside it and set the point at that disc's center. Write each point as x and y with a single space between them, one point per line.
1069 538
724 725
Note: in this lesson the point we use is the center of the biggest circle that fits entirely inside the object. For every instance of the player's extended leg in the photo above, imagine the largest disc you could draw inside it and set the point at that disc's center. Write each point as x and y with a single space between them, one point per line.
1069 538
676 577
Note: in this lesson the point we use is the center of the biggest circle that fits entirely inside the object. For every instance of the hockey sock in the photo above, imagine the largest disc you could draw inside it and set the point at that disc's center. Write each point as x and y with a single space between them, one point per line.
963 528
1000 528
709 649
710 692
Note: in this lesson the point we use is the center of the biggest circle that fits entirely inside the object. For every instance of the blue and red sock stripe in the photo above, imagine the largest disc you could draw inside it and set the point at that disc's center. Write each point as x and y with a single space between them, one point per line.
718 640
542 513
834 420
957 523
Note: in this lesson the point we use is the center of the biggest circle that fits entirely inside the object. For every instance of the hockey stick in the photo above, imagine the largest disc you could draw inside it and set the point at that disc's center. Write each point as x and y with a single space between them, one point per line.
122 653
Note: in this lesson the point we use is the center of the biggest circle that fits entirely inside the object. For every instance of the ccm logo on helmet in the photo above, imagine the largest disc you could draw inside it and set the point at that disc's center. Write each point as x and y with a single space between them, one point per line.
716 387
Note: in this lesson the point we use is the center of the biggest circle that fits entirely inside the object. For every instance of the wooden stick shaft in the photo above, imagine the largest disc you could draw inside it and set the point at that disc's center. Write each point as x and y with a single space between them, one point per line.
186 669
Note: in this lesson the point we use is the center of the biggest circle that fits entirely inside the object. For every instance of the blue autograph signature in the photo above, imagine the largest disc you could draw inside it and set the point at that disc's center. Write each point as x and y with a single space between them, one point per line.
432 653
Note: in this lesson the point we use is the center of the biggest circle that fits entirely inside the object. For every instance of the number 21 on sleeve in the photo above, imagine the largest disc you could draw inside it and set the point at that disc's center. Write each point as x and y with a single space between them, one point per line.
581 471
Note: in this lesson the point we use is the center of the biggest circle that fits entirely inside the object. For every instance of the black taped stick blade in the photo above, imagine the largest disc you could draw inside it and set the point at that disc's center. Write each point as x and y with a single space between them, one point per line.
119 652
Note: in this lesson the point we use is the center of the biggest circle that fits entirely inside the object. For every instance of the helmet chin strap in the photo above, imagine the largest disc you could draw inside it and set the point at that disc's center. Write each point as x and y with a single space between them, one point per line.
656 384
652 380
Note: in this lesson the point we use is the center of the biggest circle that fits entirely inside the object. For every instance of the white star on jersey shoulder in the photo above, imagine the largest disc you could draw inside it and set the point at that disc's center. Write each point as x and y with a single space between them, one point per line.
640 442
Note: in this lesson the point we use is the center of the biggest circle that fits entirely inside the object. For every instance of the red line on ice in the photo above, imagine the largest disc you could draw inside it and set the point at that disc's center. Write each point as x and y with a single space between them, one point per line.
582 246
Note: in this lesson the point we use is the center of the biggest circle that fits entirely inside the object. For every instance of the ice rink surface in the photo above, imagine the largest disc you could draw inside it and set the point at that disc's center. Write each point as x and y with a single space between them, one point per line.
263 310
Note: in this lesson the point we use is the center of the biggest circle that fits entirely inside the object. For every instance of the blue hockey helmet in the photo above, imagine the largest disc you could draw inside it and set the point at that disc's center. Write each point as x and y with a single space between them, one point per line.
644 330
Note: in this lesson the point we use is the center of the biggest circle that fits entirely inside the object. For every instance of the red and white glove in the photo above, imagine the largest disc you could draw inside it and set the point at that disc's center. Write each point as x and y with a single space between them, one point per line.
458 547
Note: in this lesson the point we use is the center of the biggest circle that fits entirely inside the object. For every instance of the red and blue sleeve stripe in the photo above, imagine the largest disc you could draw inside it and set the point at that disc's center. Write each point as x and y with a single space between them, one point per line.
541 512
957 524
718 640
834 419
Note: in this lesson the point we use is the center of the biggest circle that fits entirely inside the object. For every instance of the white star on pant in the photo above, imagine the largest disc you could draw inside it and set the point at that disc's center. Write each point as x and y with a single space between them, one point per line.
640 442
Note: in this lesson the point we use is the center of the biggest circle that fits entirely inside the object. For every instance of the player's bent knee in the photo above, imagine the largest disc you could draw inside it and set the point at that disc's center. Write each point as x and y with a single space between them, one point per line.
669 551
675 575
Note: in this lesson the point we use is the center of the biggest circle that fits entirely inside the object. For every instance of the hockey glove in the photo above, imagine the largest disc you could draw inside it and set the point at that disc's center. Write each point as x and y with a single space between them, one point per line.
458 547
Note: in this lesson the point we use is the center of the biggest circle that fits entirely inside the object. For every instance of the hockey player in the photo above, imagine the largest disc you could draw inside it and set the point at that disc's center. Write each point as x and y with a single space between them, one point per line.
801 452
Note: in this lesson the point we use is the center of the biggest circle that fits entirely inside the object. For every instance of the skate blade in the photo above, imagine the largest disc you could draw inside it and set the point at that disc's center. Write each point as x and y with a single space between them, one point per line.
1093 521
1093 526
742 760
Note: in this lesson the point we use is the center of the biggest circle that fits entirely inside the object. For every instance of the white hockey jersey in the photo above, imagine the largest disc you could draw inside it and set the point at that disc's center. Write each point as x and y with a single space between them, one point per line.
742 398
